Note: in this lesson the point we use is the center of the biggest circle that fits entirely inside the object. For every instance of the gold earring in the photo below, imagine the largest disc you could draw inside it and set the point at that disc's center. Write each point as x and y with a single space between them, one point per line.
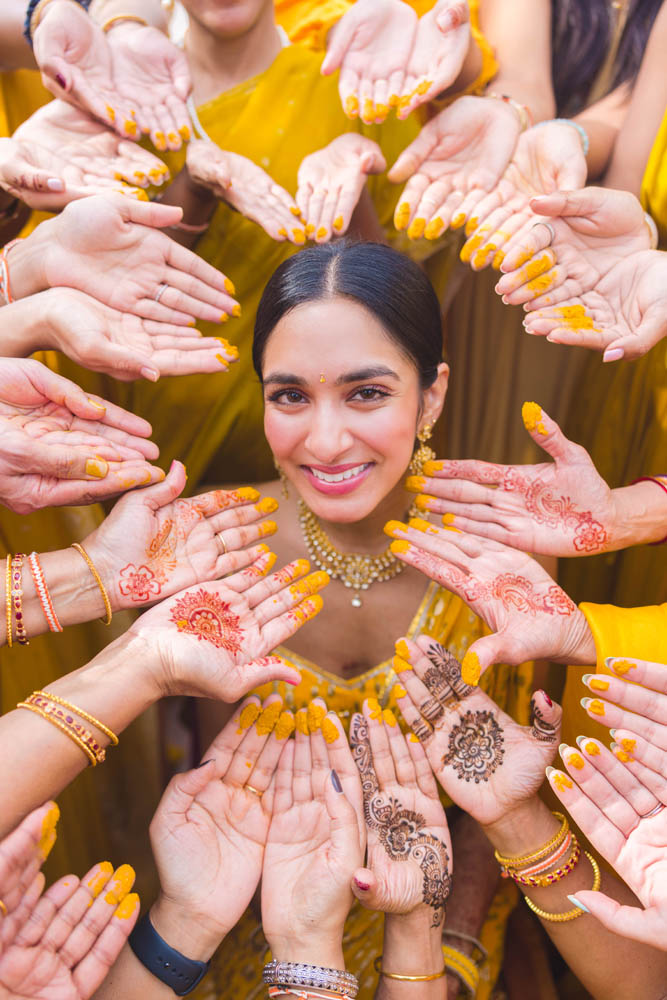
283 480
422 452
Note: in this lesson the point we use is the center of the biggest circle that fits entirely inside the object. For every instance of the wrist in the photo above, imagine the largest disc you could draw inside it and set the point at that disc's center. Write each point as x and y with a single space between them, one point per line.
641 514
523 829
184 930
324 950
26 262
579 650
412 946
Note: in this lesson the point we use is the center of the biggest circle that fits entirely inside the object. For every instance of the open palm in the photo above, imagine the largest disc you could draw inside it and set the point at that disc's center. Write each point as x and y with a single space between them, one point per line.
438 53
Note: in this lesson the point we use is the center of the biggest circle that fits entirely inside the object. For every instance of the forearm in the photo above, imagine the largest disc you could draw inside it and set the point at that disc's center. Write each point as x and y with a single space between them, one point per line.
15 53
411 947
27 259
24 328
150 11
603 122
198 204
111 688
597 957
641 514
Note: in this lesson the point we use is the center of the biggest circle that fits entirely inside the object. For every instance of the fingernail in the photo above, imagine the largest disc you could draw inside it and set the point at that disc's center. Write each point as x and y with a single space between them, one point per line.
416 229
266 505
338 223
152 374
236 310
546 698
335 781
593 705
532 418
120 885
322 232
205 762
400 546
98 406
127 907
361 885
173 137
299 236
60 80
55 184
315 715
597 683
184 133
620 667
284 726
415 484
229 286
96 467
580 906
615 354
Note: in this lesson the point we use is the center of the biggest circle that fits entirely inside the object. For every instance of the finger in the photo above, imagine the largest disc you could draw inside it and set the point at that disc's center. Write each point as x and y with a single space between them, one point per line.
380 100
301 783
233 539
342 762
634 696
331 211
650 331
406 207
628 921
428 689
262 774
92 969
282 628
246 566
403 763
283 798
596 785
591 819
407 705
640 750
644 672
290 597
366 106
256 733
618 718
317 718
95 918
616 774
655 783
383 762
122 476
233 502
343 819
425 777
523 275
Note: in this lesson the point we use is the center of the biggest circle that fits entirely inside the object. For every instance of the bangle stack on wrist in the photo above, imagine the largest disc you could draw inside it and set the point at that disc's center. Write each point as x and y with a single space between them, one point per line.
288 975
537 868
63 715
463 966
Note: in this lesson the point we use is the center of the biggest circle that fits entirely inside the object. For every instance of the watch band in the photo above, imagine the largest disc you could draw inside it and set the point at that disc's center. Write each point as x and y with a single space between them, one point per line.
164 962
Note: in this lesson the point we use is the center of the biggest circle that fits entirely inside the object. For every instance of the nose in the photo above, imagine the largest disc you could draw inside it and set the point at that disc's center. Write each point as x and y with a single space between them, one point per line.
329 437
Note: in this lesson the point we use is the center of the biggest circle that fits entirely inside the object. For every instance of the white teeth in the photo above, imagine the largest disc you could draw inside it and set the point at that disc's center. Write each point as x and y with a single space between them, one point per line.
338 477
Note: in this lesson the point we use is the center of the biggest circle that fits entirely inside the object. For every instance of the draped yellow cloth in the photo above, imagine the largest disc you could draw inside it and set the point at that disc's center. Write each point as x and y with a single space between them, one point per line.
236 967
654 183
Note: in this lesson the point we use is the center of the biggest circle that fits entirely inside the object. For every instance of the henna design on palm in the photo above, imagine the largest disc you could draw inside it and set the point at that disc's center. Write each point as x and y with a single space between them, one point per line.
400 831
475 747
444 679
208 617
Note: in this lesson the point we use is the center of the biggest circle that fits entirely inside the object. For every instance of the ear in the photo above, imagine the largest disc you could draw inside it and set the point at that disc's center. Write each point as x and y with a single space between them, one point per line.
434 397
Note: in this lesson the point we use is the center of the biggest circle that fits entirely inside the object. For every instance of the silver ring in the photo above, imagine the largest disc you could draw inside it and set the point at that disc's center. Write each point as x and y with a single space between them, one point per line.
654 811
160 292
550 228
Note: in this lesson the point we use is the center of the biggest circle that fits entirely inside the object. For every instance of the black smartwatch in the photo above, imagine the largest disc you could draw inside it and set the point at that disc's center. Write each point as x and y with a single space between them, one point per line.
164 962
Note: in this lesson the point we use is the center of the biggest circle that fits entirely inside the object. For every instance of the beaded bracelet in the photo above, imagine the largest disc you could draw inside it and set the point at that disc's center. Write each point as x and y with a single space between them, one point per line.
17 598
525 859
561 918
111 736
98 580
543 881
63 728
301 974
294 991
52 711
8 600
43 593
583 134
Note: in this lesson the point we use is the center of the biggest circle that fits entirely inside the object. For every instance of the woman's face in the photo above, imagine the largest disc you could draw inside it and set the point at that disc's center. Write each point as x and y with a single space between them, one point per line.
341 407
228 18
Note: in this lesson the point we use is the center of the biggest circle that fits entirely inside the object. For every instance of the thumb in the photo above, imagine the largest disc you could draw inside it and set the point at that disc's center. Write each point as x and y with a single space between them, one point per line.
338 41
165 492
61 462
411 159
265 669
63 391
366 888
628 921
546 433
56 73
481 655
147 213
183 788
452 15
372 161
567 203
545 718
650 331
344 829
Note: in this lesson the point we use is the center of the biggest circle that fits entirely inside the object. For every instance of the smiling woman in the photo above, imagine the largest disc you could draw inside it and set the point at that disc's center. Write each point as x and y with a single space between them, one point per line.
348 349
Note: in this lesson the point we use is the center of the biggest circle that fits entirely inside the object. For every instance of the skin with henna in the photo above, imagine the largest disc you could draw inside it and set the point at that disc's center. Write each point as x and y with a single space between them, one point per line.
493 768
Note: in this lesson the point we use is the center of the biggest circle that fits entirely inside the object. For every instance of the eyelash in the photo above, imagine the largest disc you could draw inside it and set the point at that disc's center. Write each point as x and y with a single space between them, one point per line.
280 395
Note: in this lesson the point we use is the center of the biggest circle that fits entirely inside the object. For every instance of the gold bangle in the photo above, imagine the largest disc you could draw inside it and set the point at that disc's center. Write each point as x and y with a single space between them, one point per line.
462 966
98 580
561 918
525 859
63 729
8 600
84 715
377 965
122 17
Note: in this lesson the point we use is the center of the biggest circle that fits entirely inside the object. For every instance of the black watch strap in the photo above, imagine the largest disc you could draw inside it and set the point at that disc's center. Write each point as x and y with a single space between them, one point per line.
180 973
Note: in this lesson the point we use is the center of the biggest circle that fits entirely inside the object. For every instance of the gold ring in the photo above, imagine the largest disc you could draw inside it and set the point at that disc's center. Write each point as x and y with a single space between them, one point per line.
3 908
224 545
255 791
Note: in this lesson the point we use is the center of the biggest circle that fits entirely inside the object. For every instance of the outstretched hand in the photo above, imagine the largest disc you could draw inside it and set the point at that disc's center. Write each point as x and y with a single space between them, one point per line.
62 447
484 760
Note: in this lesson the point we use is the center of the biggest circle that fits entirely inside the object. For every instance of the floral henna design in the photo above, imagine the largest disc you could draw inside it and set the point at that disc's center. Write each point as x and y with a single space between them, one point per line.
208 617
399 830
447 669
476 747
514 592
589 535
139 584
542 730
431 710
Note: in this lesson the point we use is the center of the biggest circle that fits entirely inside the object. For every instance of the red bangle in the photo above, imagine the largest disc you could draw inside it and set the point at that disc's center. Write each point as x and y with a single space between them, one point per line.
17 598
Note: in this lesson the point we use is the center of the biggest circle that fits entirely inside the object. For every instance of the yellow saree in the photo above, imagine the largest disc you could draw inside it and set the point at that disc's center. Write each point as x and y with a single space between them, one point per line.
236 968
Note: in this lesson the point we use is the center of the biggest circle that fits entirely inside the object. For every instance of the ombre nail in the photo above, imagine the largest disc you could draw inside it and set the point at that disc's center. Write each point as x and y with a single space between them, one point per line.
335 781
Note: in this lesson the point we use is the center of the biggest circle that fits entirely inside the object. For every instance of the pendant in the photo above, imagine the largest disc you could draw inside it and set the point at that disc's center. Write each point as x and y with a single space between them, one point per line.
356 600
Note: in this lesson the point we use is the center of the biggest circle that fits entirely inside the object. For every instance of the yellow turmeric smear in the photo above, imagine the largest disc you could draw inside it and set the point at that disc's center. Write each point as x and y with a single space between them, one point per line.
576 318
540 284
301 721
401 648
127 906
434 228
532 418
402 215
97 882
389 717
248 715
523 258
121 884
473 244
267 720
400 664
284 726
560 780
48 833
329 731
471 668
575 760
316 713
423 86
416 228
481 258
399 691
536 266
375 709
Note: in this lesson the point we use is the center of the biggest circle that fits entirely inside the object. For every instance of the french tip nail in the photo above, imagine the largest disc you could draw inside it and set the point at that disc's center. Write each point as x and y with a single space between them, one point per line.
579 905
613 355
205 762
549 771
335 781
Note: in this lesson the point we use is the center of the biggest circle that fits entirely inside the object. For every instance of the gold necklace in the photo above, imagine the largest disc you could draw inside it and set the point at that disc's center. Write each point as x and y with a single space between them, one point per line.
354 570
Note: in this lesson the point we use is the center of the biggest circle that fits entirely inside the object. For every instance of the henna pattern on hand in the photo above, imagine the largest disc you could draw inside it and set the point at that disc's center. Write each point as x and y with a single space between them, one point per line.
138 583
208 617
542 730
444 679
399 830
476 747
431 710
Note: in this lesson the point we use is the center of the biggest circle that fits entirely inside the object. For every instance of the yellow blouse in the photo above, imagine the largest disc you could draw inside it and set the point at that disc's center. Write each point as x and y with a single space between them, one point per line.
654 183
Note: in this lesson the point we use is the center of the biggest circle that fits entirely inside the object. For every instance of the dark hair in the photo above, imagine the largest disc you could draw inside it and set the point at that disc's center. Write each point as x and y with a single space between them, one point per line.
581 33
386 283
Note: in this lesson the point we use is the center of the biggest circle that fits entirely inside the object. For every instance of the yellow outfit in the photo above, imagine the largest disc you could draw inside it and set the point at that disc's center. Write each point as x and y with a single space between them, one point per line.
236 967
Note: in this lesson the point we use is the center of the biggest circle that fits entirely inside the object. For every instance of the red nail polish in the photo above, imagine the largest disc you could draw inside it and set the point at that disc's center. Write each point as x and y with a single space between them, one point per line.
361 885
547 698
60 80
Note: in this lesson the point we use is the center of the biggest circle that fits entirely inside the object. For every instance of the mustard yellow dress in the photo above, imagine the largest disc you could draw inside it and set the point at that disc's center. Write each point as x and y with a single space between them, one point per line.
236 968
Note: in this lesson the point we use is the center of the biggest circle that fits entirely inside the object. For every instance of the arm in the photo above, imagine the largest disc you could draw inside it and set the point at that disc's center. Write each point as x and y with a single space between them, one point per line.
15 53
410 945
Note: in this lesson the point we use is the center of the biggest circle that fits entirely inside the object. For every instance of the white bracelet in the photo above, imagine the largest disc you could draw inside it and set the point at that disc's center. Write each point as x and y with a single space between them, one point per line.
583 135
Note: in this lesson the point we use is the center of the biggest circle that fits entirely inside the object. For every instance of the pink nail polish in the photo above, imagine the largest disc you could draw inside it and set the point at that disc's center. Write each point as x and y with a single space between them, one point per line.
548 699
60 80
361 885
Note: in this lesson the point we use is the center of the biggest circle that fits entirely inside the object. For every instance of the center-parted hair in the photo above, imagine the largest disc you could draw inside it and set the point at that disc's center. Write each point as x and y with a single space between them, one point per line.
389 285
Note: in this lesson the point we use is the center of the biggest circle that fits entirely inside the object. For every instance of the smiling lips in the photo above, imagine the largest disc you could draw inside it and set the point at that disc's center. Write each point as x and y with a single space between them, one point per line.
338 479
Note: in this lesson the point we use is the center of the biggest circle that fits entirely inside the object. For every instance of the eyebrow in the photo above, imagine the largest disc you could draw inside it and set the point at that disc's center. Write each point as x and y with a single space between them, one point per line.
361 375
